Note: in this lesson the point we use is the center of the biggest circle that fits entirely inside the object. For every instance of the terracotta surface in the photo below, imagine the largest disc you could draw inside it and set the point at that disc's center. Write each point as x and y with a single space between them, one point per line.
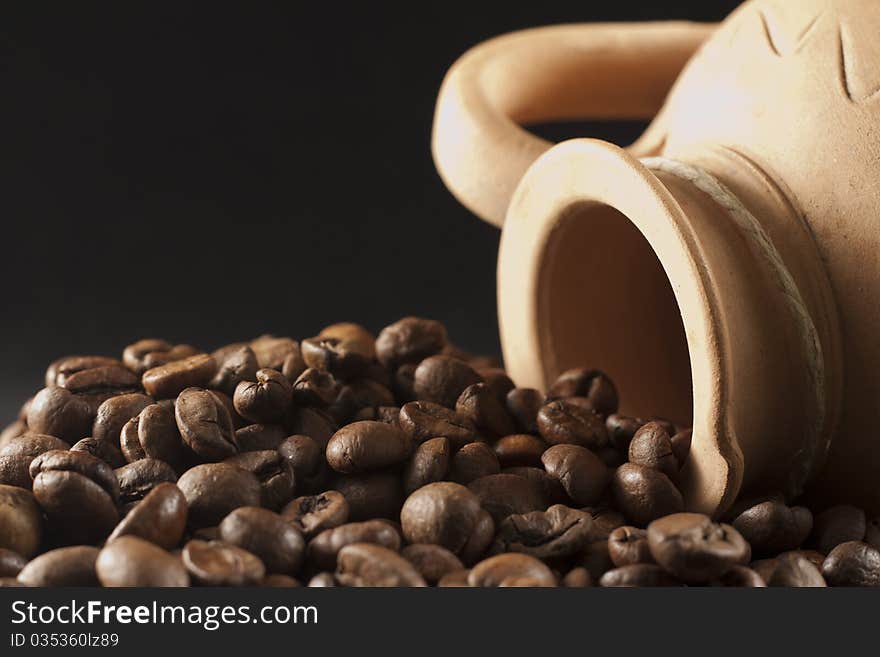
730 275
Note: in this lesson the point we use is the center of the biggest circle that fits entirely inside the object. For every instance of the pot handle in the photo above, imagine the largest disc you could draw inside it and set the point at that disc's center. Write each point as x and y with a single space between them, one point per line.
564 72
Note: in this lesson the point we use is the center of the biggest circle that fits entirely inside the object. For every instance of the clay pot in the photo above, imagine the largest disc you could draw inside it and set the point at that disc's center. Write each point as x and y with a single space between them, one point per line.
723 269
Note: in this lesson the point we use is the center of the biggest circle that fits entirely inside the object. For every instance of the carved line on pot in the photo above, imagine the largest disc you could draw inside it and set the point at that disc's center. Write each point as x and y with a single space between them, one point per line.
849 75
806 327
772 27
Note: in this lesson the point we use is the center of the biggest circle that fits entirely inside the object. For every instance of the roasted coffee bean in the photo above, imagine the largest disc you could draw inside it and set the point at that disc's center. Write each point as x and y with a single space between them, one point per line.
101 449
322 580
59 370
370 495
473 461
259 437
67 566
159 518
553 534
279 581
363 564
425 420
344 358
152 434
272 352
115 412
235 363
561 422
177 352
11 563
132 561
644 494
523 405
550 487
694 549
428 463
610 457
354 334
478 404
499 383
441 379
628 546
651 447
852 563
365 446
273 471
355 396
78 493
60 413
581 473
315 388
681 445
433 562
592 384
145 354
577 578
138 478
837 525
204 424
520 450
387 414
605 521
742 577
641 574
310 422
621 429
324 548
511 570
795 570
595 557
265 400
21 521
410 340
100 383
503 495
312 514
455 579
772 527
403 383
267 535
213 490
169 380
16 457
214 563
225 400
307 460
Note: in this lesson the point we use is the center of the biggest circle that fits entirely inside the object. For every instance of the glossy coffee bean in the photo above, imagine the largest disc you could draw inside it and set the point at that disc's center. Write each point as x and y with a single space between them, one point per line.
499 383
67 566
694 549
553 534
441 379
213 490
605 521
99 383
592 384
652 448
204 424
364 564
214 563
58 412
621 429
78 493
425 420
741 577
152 434
60 370
150 352
581 473
503 495
795 570
354 334
313 514
16 457
550 487
310 422
267 535
433 562
115 412
511 570
523 405
409 340
365 446
455 579
160 518
306 458
681 445
478 404
272 352
138 478
772 527
322 580
315 388
264 400
324 548
370 495
235 363
644 494
345 358
259 437
429 463
520 450
449 515
273 471
11 563
131 561
21 521
169 380
103 450
577 578
357 397
642 574
561 422
837 525
628 546
852 563
473 461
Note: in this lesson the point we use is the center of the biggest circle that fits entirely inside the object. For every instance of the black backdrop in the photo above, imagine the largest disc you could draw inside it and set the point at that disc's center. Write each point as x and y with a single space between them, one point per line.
179 170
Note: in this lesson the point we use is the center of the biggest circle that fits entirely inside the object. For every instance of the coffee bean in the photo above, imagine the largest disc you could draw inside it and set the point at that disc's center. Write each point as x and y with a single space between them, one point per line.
342 357
556 533
503 495
115 412
795 570
455 579
101 449
11 563
272 352
581 473
267 535
852 563
216 563
433 562
265 400
605 521
520 450
306 458
310 422
365 446
16 457
59 370
403 382
387 414
742 577
511 570
441 379
772 527
273 471
177 352
837 525
641 574
523 405
131 561
478 404
694 549
169 380
152 434
315 388
100 383
12 431
21 521
577 578
60 413
473 461
550 487
561 422
277 580
409 340
621 429
356 396
429 463
651 447
628 546
78 493
681 445
644 494
159 518
134 355
235 363
204 424
425 420
259 437
312 514
595 557
363 564
324 548
370 495
67 566
213 490
592 384
138 478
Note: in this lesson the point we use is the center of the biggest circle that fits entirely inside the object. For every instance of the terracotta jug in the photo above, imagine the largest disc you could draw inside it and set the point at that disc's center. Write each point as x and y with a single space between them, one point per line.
725 268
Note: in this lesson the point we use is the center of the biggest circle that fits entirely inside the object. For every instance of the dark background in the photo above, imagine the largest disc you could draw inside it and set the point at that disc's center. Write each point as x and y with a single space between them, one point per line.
205 175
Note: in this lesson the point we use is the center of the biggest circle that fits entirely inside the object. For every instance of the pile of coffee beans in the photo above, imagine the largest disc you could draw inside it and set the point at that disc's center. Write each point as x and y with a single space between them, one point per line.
352 460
